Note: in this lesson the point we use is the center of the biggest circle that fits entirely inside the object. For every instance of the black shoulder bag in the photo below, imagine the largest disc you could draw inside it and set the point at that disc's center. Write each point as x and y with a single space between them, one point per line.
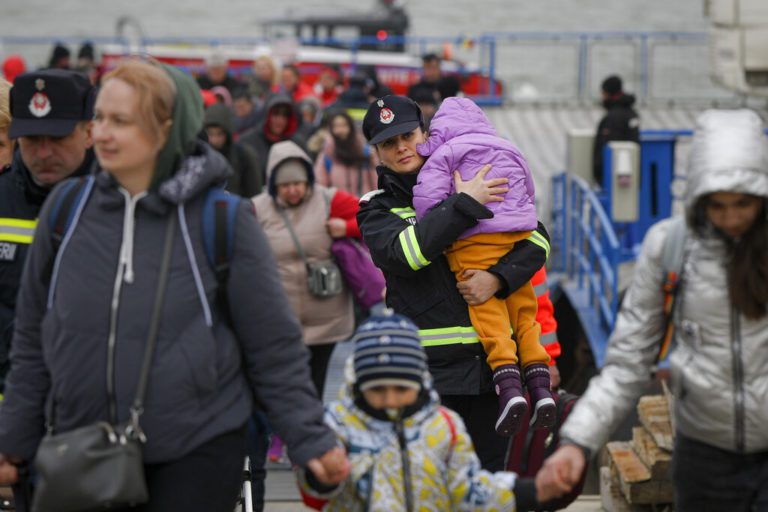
100 466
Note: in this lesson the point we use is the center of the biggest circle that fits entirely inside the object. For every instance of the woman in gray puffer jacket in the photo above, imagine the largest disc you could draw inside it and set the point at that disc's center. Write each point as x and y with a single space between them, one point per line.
719 363
81 331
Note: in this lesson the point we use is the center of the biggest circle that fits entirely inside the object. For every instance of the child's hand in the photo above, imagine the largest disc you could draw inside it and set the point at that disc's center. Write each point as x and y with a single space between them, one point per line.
559 473
336 227
332 467
481 190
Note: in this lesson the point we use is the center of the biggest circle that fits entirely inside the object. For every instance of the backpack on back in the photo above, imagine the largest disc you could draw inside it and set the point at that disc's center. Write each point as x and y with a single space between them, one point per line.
218 222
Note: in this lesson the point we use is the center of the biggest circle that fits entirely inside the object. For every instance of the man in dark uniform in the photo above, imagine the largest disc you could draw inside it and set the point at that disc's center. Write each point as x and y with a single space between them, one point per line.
50 112
620 122
420 285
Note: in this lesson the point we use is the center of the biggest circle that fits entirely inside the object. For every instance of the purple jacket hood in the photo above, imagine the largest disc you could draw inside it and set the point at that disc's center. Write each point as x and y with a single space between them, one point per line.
456 117
461 137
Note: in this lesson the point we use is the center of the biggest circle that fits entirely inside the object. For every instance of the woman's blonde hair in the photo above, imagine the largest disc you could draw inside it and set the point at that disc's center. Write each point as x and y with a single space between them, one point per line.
155 90
5 109
271 63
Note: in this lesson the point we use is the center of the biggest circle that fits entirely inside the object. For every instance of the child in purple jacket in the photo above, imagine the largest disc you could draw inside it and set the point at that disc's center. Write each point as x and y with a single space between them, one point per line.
461 138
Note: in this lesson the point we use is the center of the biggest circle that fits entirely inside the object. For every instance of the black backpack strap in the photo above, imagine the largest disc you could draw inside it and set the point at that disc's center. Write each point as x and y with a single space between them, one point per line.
60 218
218 224
221 251
61 214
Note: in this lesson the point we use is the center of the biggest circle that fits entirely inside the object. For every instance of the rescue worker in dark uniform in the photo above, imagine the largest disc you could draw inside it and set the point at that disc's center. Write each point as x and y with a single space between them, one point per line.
50 112
420 285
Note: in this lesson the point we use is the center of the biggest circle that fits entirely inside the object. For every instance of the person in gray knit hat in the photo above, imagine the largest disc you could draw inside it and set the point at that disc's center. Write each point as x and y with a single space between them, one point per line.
390 421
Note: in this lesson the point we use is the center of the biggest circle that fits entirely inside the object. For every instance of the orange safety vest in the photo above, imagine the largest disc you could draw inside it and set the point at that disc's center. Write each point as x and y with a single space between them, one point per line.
546 315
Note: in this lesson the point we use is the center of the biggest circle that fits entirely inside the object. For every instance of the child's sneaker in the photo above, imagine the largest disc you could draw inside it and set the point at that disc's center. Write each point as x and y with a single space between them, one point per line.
512 404
542 403
276 450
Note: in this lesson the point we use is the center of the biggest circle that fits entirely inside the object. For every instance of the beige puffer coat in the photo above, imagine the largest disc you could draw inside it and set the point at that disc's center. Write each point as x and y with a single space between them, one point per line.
323 320
719 361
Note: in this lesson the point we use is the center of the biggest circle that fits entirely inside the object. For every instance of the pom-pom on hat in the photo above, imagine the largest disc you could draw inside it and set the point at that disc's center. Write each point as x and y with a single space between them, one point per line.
388 351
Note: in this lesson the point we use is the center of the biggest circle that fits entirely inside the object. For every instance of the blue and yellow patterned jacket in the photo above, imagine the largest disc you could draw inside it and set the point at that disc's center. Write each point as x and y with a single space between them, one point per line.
442 471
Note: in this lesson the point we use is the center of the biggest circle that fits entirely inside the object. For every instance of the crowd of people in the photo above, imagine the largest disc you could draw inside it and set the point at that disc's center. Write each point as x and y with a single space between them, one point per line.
107 180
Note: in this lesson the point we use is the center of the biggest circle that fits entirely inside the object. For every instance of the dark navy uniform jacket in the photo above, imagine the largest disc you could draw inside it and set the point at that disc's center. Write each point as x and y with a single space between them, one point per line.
20 202
420 284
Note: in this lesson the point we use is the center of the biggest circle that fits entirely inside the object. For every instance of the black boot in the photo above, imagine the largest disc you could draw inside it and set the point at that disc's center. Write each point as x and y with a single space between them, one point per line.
537 382
512 404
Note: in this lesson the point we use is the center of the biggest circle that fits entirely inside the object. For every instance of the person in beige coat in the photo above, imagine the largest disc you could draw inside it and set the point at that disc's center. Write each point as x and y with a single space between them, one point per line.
318 215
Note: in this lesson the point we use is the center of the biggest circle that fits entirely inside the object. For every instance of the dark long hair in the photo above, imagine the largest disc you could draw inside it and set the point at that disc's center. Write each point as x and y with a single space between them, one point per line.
748 270
348 151
747 266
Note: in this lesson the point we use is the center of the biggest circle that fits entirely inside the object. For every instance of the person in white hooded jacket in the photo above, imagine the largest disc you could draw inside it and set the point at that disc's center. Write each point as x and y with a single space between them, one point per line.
719 361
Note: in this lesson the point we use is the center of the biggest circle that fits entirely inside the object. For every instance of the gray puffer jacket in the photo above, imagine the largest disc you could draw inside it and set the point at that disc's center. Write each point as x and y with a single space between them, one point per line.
719 362
205 366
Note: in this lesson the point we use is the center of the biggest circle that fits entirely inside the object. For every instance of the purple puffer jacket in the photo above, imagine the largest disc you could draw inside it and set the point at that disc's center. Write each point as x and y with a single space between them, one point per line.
461 137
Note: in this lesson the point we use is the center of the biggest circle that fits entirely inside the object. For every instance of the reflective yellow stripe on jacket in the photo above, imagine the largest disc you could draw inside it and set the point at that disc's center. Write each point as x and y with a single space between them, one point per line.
357 114
539 240
411 249
408 240
20 231
404 213
448 336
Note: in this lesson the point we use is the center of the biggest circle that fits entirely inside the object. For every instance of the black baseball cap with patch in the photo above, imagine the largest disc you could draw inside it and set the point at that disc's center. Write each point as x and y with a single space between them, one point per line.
390 116
50 102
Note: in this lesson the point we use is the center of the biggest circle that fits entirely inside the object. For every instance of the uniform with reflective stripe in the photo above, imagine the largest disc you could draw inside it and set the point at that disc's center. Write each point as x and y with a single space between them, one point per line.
539 240
17 230
420 284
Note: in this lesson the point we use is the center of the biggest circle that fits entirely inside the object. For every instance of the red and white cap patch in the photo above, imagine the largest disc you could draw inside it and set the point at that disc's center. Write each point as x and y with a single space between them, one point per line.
386 116
39 105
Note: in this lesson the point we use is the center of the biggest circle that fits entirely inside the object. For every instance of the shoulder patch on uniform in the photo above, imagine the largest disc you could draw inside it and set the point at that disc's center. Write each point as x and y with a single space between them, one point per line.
370 195
8 251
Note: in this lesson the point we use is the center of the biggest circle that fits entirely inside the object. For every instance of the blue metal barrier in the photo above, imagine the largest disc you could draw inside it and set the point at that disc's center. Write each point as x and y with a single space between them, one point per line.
589 256
558 256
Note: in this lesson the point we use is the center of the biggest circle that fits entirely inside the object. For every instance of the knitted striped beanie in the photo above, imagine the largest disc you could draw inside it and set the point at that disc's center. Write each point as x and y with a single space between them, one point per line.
388 352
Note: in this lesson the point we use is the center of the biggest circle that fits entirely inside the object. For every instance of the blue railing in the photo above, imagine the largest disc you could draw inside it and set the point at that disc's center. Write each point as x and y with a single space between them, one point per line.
587 254
593 251
558 256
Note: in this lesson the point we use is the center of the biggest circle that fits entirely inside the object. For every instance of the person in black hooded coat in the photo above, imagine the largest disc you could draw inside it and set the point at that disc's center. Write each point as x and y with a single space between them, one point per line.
218 125
620 122
280 121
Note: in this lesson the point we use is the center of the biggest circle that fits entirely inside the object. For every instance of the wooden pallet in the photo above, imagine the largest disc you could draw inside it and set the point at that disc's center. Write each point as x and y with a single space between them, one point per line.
636 475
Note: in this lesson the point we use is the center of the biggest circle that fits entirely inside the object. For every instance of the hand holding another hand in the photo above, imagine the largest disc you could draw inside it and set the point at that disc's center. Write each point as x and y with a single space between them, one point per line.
560 473
332 467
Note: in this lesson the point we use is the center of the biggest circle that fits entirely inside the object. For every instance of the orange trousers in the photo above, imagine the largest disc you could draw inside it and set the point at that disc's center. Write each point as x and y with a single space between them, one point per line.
492 319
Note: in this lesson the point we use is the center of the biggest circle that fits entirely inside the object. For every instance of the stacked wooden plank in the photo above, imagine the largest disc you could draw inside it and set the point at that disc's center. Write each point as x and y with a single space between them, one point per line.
636 478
